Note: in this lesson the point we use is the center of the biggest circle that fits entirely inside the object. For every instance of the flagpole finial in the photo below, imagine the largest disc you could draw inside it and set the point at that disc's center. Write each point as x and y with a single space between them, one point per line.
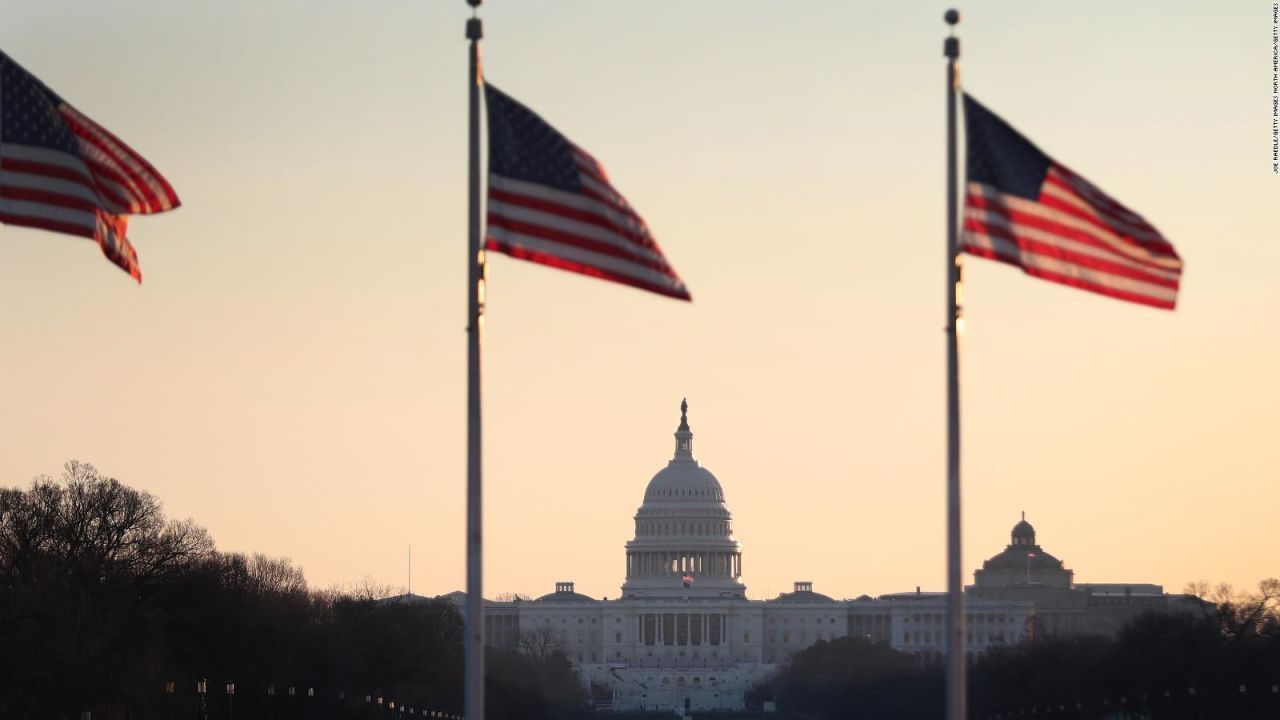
475 30
951 48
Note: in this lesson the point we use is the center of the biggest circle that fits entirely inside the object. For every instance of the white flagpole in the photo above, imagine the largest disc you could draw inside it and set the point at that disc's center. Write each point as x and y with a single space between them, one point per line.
957 703
474 625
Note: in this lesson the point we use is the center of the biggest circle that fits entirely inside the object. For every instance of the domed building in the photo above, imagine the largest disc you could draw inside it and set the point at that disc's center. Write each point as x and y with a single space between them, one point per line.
683 543
1023 562
684 634
1025 571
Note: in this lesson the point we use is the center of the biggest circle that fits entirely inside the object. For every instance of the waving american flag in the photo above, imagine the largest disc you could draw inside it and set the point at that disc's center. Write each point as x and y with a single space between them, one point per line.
550 202
63 172
1024 208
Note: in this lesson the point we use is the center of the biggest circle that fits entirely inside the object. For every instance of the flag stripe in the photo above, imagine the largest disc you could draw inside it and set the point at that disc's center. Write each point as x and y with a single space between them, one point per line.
577 205
557 259
31 173
44 223
75 188
1068 273
575 258
154 187
1035 214
107 172
40 211
55 199
1069 199
111 179
571 207
1063 200
1050 246
604 246
1014 225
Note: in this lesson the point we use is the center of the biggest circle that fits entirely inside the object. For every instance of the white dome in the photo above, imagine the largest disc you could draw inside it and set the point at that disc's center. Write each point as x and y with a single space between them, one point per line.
684 531
684 481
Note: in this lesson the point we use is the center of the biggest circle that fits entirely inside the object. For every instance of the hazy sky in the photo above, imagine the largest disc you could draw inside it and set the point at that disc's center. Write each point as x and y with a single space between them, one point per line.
292 372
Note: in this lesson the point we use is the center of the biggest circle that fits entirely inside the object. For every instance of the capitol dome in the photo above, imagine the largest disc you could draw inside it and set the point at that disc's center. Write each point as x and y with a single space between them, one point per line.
683 542
683 480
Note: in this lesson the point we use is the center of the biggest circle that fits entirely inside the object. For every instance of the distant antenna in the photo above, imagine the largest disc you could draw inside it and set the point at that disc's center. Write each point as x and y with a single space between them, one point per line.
410 569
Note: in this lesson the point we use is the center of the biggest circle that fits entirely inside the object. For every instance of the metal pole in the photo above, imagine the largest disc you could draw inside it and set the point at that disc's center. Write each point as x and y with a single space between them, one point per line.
957 704
474 625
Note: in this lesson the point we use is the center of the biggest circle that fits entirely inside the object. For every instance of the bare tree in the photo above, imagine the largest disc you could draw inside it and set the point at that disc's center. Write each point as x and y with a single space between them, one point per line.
539 643
1241 615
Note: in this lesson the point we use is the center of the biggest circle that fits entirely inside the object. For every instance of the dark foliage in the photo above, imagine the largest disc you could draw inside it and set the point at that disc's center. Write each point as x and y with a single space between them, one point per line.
107 606
855 678
1223 663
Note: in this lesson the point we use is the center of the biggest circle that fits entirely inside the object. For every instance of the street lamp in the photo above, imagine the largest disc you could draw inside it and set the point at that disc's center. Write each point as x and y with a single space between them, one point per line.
231 700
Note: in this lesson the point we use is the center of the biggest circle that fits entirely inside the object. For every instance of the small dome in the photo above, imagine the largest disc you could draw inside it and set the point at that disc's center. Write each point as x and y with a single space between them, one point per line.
1023 533
565 593
803 593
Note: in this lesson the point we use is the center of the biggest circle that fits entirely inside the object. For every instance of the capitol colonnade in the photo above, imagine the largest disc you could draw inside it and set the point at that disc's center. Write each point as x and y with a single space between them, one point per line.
678 563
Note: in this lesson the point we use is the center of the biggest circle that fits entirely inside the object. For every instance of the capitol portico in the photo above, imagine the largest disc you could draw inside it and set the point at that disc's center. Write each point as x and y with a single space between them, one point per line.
684 634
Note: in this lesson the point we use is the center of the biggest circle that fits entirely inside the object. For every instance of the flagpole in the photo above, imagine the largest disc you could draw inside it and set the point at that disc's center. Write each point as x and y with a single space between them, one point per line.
957 705
473 651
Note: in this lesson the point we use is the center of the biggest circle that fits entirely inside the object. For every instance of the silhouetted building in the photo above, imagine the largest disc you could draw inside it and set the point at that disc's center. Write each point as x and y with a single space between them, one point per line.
1025 571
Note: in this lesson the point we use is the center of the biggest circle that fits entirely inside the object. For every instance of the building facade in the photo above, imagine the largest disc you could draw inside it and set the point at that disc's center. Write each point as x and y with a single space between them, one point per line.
1025 571
684 633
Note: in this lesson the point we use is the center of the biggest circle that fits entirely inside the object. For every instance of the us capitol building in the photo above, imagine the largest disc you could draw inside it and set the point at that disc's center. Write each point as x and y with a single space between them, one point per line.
685 634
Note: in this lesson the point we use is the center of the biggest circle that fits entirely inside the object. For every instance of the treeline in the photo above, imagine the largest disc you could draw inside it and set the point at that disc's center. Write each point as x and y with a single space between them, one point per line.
1224 663
108 606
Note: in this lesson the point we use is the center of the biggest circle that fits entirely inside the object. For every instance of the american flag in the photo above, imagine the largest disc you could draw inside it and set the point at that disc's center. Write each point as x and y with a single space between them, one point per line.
63 172
1024 208
550 202
687 580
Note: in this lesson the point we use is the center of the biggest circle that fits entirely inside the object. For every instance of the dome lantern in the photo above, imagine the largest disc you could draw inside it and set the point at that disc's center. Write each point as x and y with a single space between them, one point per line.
1023 533
684 436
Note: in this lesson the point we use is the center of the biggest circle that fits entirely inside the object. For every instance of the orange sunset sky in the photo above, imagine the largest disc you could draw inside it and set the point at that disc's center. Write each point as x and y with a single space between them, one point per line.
291 374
